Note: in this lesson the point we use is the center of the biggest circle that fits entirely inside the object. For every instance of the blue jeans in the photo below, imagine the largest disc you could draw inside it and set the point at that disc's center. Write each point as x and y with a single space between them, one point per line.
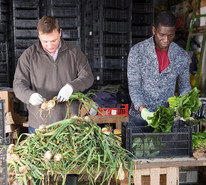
31 130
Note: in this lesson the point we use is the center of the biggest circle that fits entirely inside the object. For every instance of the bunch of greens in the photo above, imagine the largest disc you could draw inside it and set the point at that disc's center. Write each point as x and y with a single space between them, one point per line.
146 146
73 145
186 104
162 119
198 140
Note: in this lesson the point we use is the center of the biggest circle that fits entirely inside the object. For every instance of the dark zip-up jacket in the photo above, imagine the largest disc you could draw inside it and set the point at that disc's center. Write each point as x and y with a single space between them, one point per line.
38 72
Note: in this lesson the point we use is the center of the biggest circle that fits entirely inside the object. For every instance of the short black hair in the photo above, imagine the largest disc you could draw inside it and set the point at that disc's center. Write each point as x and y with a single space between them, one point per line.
165 18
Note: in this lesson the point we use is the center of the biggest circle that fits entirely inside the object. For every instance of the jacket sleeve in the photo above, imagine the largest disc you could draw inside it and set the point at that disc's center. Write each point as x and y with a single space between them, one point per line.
85 77
134 79
184 77
21 83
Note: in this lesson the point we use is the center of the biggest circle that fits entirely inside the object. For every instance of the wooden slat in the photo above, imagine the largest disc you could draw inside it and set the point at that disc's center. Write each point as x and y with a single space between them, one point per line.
169 162
155 176
172 176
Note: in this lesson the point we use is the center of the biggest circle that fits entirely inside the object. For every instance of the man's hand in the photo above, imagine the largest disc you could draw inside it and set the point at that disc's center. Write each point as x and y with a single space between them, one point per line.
145 113
64 93
36 99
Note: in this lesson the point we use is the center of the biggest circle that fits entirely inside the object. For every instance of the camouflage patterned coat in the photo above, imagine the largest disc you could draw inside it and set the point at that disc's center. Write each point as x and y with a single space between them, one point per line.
149 87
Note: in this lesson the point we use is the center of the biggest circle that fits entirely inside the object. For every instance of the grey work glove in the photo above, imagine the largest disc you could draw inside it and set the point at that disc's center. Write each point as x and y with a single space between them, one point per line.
64 93
36 99
145 113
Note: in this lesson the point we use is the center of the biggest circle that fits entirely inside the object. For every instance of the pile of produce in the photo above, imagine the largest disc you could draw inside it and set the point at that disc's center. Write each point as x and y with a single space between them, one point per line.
70 146
162 119
74 145
198 140
186 104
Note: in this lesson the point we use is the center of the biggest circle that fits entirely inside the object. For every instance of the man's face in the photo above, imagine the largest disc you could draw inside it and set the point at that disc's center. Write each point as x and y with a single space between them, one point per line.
163 36
50 41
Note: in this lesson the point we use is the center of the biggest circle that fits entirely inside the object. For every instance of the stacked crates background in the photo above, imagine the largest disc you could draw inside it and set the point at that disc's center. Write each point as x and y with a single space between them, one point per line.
69 14
142 19
25 15
104 30
4 63
107 39
3 149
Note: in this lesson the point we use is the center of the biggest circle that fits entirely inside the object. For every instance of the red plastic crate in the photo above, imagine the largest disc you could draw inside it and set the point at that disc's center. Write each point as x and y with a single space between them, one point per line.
122 111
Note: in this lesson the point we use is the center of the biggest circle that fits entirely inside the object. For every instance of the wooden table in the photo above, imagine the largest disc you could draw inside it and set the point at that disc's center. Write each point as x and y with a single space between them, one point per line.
156 167
111 119
106 119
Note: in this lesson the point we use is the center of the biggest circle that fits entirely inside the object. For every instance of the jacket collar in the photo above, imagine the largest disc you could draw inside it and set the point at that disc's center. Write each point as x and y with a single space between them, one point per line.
62 48
170 50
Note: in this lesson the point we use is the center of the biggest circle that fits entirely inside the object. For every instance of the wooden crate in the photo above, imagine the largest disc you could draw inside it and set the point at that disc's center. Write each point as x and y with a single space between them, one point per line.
154 176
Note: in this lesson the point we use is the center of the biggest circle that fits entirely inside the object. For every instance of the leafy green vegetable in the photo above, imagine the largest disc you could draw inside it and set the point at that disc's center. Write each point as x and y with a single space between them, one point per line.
162 119
198 140
186 104
149 146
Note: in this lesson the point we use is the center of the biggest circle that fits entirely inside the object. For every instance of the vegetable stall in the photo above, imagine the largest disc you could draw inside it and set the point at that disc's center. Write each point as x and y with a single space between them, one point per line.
78 145
74 145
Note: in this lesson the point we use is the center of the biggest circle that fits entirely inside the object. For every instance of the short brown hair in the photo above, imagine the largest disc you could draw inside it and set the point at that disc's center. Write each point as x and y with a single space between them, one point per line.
47 24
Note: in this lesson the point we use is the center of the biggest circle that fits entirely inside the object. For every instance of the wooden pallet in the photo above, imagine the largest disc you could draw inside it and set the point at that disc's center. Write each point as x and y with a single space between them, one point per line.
161 171
172 176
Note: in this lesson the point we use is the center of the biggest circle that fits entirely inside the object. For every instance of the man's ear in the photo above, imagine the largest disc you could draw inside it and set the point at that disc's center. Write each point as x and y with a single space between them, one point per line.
153 30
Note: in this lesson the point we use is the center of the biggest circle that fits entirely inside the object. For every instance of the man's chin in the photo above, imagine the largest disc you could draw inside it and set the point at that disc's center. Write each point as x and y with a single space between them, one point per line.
164 47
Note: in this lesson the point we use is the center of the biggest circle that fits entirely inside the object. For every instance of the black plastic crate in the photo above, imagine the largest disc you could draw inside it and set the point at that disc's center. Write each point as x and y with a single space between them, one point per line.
109 63
2 123
112 51
142 19
113 14
3 67
25 23
3 165
24 43
142 30
142 8
71 34
2 56
143 144
67 11
2 27
26 14
29 34
113 39
4 78
69 22
2 46
66 2
29 4
115 3
114 75
116 27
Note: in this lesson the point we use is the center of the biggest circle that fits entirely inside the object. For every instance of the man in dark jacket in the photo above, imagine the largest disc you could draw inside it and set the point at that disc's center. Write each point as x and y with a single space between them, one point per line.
51 67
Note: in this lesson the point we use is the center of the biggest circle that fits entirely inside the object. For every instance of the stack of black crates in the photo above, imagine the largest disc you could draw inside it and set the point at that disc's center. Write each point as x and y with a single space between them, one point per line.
142 19
3 149
69 13
4 64
108 39
25 16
